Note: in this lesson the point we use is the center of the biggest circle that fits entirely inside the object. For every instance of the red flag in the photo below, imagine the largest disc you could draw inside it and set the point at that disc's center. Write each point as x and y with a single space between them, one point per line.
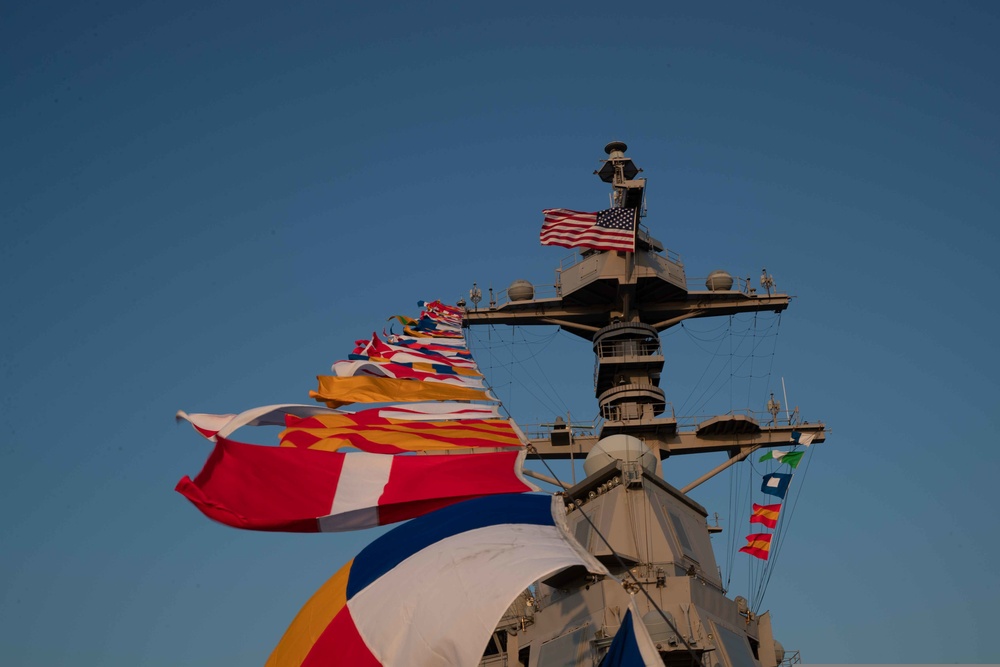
389 436
758 544
766 514
308 491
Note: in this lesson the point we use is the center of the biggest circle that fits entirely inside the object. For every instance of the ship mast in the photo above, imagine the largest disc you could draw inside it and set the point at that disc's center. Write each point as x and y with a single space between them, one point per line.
621 302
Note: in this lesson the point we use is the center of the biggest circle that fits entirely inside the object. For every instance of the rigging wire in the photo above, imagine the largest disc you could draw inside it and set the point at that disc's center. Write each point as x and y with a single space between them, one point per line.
783 520
541 370
514 359
740 499
684 405
703 400
752 348
731 533
731 406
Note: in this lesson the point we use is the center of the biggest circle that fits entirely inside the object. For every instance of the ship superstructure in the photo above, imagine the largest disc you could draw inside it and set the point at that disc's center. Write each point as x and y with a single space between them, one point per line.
649 534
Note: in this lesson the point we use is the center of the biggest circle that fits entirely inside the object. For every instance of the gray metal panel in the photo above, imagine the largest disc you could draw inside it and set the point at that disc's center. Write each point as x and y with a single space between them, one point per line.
570 650
736 647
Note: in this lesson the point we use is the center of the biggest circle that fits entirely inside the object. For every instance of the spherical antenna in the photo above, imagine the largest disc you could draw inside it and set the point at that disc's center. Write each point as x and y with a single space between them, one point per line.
620 447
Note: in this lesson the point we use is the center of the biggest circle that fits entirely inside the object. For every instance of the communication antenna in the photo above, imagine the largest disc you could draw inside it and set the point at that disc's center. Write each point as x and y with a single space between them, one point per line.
784 393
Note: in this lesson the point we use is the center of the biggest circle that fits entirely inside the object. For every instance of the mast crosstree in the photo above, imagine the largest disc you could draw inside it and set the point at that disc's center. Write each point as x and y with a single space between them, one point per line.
621 302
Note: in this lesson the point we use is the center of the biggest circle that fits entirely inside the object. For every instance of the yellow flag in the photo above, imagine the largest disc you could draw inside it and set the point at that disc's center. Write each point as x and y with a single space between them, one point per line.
338 391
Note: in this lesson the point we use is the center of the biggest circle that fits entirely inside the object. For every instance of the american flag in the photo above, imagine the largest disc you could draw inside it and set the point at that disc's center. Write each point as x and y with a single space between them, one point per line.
613 229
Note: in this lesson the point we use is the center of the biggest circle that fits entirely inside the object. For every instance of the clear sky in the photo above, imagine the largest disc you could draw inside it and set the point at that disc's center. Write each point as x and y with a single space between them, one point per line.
205 204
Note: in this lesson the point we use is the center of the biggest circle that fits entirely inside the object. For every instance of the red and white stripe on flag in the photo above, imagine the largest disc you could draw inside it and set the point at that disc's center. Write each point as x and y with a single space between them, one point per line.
306 491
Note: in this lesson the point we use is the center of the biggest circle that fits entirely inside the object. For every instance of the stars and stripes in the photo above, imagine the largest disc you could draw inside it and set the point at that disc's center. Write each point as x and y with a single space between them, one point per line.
613 229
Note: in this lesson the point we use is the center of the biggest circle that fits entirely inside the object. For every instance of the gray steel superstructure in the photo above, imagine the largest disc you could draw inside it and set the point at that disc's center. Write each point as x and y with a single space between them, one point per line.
649 534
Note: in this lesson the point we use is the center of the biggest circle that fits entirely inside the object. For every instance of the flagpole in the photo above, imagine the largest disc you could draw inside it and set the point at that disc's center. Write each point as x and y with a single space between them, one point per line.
635 242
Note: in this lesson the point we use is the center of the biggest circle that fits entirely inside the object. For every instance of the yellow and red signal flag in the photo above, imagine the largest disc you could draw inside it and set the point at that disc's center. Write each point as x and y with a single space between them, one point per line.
388 369
212 425
309 491
765 514
339 391
379 435
758 544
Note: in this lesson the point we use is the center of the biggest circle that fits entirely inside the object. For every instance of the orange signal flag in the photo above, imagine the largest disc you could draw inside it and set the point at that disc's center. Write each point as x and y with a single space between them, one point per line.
392 436
766 514
758 544
338 391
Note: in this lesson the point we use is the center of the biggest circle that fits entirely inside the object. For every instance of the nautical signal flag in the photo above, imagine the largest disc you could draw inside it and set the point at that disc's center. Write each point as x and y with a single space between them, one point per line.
388 369
311 491
210 425
339 391
431 591
804 439
223 426
613 229
766 514
391 436
408 341
435 411
632 645
376 348
758 544
776 484
791 458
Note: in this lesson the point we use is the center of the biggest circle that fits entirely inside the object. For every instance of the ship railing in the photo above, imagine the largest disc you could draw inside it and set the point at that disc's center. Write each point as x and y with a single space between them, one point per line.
628 348
626 412
583 253
543 431
791 658
500 298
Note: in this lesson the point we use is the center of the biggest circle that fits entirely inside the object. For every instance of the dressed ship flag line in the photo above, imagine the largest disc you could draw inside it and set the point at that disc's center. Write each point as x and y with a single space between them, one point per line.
479 560
774 484
306 485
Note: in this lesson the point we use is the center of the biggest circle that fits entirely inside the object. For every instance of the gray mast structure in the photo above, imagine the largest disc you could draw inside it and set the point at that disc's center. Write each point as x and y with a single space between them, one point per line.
652 536
621 301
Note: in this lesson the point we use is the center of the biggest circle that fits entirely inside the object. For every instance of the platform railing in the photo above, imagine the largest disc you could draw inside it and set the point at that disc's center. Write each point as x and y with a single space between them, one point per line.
629 348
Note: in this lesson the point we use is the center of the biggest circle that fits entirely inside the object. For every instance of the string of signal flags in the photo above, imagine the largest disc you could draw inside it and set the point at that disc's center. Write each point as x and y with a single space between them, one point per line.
774 484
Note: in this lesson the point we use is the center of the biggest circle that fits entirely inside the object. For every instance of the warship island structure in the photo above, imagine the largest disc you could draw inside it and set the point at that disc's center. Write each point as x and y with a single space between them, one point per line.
649 534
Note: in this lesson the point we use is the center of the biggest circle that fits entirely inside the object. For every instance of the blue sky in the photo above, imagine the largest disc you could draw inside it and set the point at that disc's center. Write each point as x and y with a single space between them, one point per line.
204 205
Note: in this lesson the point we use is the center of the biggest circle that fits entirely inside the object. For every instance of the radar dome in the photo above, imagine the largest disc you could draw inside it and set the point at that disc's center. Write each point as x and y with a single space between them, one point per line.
719 281
521 290
619 447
